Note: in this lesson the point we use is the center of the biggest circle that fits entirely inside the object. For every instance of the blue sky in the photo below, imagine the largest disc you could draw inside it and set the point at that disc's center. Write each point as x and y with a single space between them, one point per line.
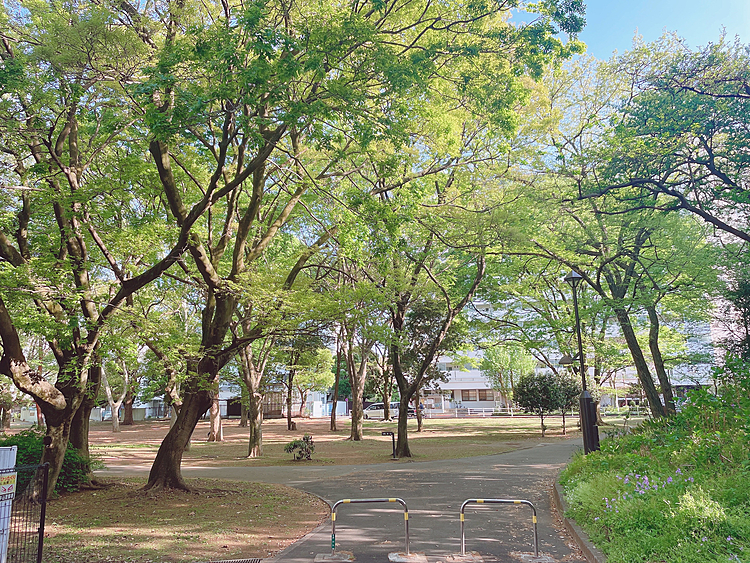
612 24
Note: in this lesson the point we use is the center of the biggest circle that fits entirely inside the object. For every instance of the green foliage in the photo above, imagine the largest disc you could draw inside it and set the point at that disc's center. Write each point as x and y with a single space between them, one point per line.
538 393
675 489
304 447
75 468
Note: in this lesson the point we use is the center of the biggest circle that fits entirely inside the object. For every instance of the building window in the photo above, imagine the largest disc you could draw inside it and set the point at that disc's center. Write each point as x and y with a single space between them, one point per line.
468 395
486 395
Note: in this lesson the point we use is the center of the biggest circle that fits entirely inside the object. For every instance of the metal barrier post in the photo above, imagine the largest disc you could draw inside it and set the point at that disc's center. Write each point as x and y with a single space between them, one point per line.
363 501
497 501
393 439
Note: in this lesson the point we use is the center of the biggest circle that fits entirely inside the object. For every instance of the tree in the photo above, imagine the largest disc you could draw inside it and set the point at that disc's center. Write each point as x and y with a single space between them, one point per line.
682 139
65 120
540 394
503 365
631 255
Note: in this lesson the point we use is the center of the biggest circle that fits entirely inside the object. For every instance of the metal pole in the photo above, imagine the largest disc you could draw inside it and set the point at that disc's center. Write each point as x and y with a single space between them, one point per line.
498 501
364 501
586 403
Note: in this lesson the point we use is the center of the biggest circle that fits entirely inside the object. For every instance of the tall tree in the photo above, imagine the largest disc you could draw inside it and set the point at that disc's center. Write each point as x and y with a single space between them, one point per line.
65 119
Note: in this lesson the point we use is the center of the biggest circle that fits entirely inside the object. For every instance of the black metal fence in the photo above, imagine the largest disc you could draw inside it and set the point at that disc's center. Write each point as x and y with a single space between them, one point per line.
23 505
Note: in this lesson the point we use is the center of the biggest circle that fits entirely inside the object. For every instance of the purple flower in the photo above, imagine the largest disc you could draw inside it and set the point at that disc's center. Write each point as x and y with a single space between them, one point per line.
669 480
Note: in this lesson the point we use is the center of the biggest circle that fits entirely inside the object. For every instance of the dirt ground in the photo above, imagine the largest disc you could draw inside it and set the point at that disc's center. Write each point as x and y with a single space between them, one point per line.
444 438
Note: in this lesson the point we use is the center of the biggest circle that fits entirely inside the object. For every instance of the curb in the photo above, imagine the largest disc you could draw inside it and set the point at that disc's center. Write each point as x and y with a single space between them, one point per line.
589 550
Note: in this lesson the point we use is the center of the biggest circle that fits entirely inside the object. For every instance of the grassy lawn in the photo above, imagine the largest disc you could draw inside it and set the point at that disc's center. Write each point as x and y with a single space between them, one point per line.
229 520
218 520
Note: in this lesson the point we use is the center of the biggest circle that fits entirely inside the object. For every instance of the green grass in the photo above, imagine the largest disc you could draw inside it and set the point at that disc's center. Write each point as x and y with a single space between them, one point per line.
676 490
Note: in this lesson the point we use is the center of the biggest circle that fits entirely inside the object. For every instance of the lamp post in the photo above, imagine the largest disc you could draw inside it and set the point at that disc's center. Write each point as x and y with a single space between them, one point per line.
586 403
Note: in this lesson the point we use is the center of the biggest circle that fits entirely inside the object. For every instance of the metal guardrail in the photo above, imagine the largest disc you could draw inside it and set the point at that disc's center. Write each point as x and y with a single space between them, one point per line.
497 501
367 501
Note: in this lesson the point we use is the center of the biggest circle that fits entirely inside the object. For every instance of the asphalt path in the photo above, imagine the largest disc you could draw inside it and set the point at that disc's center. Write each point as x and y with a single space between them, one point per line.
433 492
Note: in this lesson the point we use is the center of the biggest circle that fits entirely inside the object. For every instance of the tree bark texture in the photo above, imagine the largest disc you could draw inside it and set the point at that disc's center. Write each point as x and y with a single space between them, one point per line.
641 367
255 443
216 431
127 407
336 383
661 372
166 471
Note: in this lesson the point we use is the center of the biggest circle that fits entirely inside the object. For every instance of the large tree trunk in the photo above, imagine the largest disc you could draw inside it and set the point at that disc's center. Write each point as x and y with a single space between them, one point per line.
641 367
127 405
166 471
79 427
402 440
661 372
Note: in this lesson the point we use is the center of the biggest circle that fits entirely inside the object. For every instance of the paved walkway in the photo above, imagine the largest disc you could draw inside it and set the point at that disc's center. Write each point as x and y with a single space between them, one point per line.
433 492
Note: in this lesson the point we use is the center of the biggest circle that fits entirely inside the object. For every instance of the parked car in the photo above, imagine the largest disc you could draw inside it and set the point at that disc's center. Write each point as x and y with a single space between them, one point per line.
376 411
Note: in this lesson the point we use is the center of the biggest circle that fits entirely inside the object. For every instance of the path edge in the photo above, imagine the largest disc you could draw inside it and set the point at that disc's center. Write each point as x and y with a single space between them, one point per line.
589 550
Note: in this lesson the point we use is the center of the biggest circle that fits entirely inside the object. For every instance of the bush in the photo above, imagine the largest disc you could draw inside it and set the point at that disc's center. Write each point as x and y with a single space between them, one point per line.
75 469
304 446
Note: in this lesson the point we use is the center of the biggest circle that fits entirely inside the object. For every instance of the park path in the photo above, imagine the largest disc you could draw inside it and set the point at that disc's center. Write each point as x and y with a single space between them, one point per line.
433 492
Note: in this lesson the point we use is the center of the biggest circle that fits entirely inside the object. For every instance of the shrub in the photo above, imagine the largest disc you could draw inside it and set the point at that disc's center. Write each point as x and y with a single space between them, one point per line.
75 469
304 447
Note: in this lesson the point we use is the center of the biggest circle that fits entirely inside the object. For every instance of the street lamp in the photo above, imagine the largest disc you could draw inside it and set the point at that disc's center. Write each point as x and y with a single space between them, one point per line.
586 403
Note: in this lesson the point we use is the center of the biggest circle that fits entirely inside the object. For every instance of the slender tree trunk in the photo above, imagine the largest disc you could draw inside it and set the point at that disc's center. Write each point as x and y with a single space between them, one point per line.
216 431
255 445
302 402
39 416
79 425
564 431
336 383
244 400
599 419
661 372
252 376
418 400
541 418
641 367
290 386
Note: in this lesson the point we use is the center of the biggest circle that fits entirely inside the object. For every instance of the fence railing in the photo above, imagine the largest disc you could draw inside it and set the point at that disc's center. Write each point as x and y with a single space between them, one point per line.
22 513
498 501
366 501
